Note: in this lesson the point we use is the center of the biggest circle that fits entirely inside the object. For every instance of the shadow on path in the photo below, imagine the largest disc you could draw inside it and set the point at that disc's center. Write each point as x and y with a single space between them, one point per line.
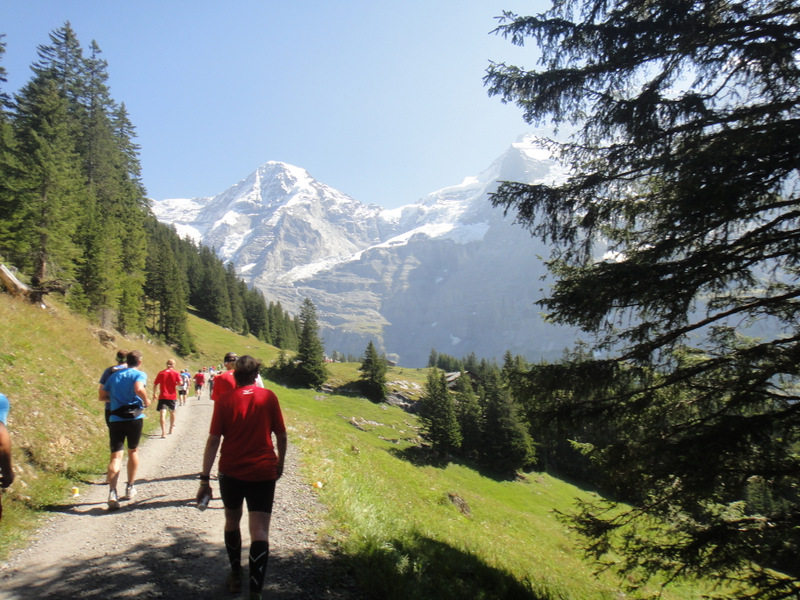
182 570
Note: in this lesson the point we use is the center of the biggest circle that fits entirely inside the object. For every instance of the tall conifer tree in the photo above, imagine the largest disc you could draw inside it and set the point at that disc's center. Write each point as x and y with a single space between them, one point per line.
11 171
438 415
373 374
685 168
311 368
470 417
54 190
507 444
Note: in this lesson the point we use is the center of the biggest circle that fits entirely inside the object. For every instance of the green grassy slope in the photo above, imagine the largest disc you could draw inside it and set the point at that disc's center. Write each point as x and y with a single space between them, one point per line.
408 529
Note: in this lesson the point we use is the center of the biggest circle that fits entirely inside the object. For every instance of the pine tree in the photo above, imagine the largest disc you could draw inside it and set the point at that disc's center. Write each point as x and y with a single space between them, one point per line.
134 213
373 374
62 62
507 445
211 295
311 370
53 192
256 314
100 271
290 332
433 358
438 415
470 417
275 313
685 168
237 322
11 174
166 288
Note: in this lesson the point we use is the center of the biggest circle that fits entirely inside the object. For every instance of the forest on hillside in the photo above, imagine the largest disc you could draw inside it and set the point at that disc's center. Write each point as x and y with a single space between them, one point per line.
76 220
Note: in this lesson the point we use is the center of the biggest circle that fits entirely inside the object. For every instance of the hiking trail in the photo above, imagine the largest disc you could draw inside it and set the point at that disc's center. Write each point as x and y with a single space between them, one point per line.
160 545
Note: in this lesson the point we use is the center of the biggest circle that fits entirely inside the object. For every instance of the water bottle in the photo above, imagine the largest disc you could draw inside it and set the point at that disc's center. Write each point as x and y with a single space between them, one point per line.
203 504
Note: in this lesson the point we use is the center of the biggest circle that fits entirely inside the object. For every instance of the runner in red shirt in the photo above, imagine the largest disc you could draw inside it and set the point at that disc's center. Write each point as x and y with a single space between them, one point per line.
168 380
245 420
225 383
199 380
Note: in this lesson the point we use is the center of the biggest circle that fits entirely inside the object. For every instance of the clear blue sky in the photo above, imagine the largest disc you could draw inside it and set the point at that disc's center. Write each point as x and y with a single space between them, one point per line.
382 100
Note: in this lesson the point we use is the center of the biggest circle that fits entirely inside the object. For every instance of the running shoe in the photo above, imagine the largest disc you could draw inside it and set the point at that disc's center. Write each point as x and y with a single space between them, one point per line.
130 492
235 581
113 501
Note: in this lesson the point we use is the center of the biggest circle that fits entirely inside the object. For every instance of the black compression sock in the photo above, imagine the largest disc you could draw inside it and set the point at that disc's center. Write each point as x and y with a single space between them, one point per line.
233 544
259 555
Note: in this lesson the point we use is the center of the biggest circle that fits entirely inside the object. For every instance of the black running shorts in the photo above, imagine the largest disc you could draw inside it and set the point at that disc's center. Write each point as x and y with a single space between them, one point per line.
260 495
162 404
119 431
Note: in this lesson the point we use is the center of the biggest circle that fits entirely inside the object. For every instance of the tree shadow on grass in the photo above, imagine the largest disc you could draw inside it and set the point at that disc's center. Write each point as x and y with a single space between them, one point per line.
427 569
422 456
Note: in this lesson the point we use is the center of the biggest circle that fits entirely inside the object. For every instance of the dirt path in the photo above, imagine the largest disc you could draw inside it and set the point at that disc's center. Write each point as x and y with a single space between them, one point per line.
161 546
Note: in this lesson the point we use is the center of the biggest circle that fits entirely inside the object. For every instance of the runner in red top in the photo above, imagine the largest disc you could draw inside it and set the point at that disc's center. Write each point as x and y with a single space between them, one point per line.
168 379
199 380
225 383
245 420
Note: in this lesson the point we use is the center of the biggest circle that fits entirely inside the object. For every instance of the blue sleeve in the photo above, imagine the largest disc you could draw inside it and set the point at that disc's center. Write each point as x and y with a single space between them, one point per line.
4 406
106 374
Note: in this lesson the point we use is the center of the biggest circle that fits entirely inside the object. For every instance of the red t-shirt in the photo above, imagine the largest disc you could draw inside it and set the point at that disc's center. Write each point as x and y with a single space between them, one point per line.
246 419
168 380
223 384
199 378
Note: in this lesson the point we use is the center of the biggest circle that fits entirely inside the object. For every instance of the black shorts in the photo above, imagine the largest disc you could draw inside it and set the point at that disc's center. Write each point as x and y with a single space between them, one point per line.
119 431
260 495
162 404
181 392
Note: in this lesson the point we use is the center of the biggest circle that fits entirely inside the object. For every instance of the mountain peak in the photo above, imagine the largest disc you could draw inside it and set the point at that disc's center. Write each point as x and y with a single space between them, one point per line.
448 267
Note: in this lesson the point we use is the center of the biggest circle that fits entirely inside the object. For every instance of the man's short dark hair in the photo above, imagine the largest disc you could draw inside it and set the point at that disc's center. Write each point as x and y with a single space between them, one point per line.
229 357
121 355
246 370
134 358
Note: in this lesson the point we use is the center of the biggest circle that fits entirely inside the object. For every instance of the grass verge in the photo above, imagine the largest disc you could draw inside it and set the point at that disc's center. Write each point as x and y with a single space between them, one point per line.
411 529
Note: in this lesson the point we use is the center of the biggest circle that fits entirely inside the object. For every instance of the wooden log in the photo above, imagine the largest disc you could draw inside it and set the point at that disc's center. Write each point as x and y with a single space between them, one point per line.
13 285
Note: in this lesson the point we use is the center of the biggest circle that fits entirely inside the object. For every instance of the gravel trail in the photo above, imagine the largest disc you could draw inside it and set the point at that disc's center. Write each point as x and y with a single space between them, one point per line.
161 546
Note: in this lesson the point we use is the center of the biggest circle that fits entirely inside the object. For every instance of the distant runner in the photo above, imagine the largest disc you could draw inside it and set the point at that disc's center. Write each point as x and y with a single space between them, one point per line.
168 380
183 388
225 383
199 380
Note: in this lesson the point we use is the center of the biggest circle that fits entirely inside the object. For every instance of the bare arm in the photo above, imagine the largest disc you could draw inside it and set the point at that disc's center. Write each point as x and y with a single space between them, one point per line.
5 458
102 395
282 444
141 391
209 456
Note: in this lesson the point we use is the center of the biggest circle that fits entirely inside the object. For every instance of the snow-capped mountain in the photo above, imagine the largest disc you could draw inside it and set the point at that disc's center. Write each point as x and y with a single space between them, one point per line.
448 272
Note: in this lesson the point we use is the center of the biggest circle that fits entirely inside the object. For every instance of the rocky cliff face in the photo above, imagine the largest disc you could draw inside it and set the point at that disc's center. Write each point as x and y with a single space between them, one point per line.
449 272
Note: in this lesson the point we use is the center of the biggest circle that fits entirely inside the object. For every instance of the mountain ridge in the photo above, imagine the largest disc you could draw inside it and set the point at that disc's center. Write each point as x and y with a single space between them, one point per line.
442 273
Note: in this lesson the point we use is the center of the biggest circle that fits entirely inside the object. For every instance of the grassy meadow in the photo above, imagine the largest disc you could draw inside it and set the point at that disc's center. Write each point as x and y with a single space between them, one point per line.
405 527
